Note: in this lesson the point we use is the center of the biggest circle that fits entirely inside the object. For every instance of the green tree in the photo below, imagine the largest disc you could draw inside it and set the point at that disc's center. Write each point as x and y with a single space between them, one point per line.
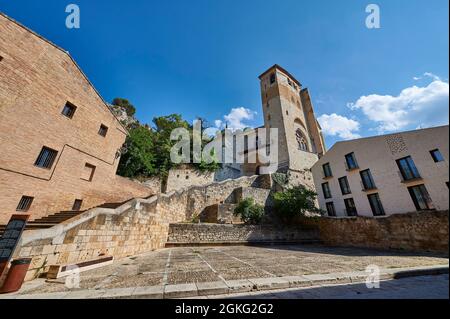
149 149
139 159
128 107
164 126
294 202
249 211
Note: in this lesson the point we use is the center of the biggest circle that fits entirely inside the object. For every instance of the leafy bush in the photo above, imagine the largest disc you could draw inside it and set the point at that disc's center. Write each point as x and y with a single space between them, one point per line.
294 202
249 211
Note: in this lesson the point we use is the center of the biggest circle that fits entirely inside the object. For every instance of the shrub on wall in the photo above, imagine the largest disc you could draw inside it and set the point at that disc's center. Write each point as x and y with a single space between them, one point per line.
295 202
249 211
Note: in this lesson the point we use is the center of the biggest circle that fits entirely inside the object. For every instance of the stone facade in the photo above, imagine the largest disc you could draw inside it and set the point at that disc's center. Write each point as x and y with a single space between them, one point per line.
204 234
288 107
380 154
426 231
37 80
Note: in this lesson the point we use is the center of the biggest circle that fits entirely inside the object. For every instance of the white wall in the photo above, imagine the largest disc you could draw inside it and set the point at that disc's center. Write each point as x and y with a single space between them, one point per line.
379 154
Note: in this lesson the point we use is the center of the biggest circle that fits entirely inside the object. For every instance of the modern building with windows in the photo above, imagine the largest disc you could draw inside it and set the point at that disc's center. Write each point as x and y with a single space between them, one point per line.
385 175
60 142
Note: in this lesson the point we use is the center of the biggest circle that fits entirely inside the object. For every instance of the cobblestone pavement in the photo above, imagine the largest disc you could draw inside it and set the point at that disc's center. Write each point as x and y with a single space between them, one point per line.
425 287
213 264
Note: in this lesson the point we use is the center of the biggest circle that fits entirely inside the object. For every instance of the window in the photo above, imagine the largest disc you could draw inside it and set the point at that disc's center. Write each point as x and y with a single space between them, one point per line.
326 190
350 160
376 205
77 205
272 78
367 180
302 144
407 168
46 158
350 207
103 130
69 110
437 156
24 204
289 82
1 58
420 197
88 172
330 209
327 170
345 187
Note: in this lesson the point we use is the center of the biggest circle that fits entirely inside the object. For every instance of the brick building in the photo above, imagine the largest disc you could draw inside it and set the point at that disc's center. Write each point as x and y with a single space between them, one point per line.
60 142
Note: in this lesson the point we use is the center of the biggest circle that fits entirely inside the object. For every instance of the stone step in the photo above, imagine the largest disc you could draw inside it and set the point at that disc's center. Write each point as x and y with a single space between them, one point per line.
38 226
244 243
43 222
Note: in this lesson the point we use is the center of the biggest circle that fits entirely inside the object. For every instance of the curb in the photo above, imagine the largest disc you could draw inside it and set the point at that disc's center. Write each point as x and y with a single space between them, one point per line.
421 272
230 287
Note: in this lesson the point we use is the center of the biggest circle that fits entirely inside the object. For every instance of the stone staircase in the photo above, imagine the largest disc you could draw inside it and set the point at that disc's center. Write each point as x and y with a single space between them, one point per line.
58 218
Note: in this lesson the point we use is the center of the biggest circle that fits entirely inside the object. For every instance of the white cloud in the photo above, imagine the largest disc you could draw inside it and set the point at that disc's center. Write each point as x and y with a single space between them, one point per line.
434 77
235 120
337 125
413 107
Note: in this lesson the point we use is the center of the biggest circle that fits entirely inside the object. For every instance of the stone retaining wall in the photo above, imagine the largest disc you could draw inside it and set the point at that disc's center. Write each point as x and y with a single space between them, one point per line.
136 227
223 234
418 231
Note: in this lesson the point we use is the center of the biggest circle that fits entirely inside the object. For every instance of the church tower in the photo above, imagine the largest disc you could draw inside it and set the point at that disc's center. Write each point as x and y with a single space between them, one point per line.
288 107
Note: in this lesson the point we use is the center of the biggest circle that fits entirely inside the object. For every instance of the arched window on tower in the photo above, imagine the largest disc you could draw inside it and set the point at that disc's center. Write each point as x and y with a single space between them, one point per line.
301 140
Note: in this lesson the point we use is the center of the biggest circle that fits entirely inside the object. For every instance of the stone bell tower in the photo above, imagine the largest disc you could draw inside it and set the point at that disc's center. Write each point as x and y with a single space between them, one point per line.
287 106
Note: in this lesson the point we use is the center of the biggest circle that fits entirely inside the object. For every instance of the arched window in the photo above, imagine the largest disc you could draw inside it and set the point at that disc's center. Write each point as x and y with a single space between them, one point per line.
299 122
302 144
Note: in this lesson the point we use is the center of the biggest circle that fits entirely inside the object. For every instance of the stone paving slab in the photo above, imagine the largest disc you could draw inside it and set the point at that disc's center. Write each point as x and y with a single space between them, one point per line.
212 288
180 291
269 283
153 292
240 269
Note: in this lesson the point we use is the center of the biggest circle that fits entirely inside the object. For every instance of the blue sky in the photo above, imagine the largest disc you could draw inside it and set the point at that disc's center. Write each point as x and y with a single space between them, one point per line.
202 57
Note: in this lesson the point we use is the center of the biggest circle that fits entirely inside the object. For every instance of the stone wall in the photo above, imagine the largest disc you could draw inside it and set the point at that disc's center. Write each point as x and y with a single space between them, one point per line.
185 177
138 226
419 231
196 234
154 183
261 196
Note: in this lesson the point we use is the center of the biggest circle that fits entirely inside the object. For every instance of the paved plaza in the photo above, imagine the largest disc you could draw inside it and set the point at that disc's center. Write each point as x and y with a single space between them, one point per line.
218 267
